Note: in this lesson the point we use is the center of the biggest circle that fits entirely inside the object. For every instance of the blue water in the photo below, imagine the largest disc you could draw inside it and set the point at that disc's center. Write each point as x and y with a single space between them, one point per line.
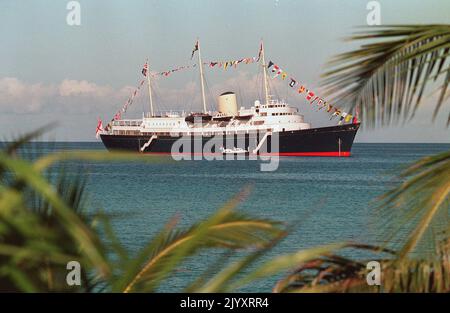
329 197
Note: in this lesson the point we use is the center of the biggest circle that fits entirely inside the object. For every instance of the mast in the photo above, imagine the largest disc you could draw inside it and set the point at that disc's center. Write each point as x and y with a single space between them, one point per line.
264 66
200 64
149 89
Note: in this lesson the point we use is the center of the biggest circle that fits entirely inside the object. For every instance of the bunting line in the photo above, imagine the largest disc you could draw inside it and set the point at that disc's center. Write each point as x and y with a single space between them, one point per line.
212 64
311 96
118 114
168 72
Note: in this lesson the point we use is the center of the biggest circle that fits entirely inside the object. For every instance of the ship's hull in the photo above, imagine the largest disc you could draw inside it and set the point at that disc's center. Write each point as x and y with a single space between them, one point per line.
324 141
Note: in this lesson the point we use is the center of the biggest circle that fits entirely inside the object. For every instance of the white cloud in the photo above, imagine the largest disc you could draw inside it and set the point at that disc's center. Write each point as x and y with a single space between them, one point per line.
76 104
19 97
82 96
69 95
70 87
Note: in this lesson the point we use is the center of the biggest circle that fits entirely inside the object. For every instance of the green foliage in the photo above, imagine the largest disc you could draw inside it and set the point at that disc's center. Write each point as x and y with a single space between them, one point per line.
334 273
41 227
386 78
419 206
44 225
43 222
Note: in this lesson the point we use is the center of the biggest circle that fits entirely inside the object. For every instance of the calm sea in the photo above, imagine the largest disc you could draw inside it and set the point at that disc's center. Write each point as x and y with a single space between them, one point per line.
328 197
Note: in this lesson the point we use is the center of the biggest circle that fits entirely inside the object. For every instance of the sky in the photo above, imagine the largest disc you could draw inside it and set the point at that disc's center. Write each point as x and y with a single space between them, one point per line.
53 72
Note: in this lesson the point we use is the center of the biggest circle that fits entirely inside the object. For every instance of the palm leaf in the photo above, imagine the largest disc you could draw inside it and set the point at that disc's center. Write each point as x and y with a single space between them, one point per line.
419 205
32 246
386 78
25 173
336 274
331 273
225 229
222 282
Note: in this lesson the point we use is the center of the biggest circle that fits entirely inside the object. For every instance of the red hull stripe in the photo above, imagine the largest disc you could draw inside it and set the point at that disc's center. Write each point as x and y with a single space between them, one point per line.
319 154
326 154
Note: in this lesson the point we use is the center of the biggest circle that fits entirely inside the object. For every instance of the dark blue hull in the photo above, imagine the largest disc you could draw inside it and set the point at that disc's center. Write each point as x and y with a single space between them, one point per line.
324 141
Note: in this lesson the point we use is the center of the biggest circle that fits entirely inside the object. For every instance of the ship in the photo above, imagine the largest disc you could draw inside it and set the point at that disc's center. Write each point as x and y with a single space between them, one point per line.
269 126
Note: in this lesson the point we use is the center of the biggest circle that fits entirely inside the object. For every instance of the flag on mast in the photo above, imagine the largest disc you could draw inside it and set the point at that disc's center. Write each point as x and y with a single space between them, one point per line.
260 52
276 69
145 69
195 49
356 117
99 127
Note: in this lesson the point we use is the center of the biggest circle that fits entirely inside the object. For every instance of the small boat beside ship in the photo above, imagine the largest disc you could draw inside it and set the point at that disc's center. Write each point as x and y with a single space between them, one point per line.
234 151
241 130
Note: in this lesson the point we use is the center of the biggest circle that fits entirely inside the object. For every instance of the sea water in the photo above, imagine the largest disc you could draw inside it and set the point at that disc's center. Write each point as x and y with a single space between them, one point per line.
328 200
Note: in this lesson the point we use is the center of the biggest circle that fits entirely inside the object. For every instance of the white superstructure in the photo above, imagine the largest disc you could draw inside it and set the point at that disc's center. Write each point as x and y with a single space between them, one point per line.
275 116
270 116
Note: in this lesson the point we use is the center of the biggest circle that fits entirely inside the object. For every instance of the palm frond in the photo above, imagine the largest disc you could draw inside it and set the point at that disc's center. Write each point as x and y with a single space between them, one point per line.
223 280
386 78
33 249
330 273
225 229
26 174
419 205
334 273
